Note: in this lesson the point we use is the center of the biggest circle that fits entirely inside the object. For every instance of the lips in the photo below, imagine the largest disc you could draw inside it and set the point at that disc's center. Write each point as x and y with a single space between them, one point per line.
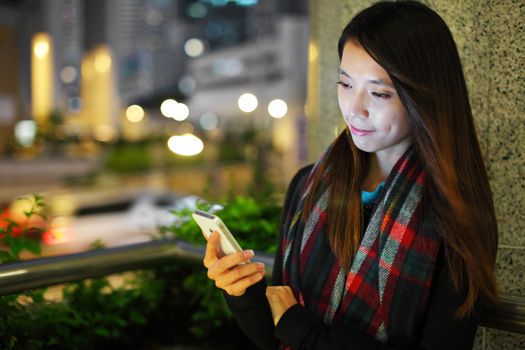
360 132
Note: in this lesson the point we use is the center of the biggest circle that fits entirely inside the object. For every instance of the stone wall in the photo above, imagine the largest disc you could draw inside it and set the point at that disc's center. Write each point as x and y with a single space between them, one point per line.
490 36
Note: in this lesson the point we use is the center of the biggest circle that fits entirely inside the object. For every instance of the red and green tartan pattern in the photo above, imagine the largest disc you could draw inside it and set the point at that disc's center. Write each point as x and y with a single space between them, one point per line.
386 289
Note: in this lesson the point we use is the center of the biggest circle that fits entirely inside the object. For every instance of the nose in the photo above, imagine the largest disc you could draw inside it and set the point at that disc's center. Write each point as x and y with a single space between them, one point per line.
357 106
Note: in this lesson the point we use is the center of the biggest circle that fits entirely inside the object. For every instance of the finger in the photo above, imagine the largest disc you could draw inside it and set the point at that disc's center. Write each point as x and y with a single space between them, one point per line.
238 288
211 249
238 273
227 262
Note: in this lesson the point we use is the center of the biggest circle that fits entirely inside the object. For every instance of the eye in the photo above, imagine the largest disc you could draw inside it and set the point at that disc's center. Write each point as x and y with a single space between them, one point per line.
381 95
343 84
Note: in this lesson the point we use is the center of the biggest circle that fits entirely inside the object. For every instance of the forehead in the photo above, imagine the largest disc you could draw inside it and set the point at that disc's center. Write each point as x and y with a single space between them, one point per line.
357 63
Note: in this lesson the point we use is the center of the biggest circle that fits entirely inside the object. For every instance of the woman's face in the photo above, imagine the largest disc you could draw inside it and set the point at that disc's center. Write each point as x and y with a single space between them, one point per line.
370 105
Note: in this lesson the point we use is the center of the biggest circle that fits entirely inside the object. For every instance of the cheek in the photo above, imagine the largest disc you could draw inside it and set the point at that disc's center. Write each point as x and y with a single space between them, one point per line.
342 100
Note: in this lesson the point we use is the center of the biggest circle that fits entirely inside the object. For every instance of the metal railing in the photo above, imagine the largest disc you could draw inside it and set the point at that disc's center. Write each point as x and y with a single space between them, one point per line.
506 315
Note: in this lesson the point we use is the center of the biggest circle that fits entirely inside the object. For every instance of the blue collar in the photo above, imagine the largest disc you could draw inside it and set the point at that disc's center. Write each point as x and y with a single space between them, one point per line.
371 197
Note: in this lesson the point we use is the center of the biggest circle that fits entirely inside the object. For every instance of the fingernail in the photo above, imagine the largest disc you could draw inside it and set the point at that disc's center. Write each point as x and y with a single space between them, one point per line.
249 253
260 265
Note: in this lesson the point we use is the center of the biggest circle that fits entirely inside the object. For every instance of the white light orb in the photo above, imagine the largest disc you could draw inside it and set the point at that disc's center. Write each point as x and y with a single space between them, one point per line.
194 47
247 102
185 145
181 112
25 132
277 108
168 108
135 113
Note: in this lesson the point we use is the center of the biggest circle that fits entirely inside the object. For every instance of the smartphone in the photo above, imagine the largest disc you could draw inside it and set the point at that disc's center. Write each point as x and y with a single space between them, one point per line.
209 223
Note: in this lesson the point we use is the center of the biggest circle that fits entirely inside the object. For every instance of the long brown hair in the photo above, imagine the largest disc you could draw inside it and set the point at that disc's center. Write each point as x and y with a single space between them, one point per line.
414 45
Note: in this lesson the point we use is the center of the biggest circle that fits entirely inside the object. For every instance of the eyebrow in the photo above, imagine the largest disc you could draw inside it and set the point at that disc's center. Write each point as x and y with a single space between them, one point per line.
373 81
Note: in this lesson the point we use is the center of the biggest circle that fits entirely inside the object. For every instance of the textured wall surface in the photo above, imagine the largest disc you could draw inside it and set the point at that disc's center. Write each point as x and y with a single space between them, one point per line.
490 36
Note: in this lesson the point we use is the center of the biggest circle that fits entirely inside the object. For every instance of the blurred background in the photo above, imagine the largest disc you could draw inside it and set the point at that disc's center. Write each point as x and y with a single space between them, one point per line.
107 105
117 112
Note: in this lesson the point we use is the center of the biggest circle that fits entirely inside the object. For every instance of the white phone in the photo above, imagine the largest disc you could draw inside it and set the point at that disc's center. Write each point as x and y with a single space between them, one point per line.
209 223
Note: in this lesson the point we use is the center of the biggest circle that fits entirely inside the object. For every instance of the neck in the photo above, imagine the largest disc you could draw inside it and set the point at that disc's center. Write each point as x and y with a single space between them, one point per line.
380 165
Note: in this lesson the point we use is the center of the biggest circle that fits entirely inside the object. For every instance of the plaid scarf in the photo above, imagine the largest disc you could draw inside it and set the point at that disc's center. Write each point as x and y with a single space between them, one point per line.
387 287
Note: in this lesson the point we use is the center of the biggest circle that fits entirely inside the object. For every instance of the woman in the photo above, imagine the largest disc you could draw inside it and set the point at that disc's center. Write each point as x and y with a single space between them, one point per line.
389 240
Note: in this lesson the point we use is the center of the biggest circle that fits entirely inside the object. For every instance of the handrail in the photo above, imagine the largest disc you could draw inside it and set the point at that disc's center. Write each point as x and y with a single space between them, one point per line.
508 314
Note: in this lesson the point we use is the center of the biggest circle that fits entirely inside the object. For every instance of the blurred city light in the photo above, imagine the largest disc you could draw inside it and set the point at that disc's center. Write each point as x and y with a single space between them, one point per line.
25 132
41 46
194 47
208 121
218 2
277 108
97 90
181 112
60 232
168 108
42 77
228 67
246 2
313 51
135 113
247 102
74 104
102 61
104 133
187 85
185 145
68 74
196 10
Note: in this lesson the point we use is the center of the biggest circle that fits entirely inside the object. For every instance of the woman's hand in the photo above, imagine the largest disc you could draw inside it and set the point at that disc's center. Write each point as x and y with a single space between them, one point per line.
280 298
227 272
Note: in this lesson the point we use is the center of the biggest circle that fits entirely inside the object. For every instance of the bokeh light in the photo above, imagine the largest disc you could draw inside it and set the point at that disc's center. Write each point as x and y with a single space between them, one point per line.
102 62
194 47
135 113
68 74
208 121
185 145
247 102
168 108
181 112
41 47
277 108
104 133
25 132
